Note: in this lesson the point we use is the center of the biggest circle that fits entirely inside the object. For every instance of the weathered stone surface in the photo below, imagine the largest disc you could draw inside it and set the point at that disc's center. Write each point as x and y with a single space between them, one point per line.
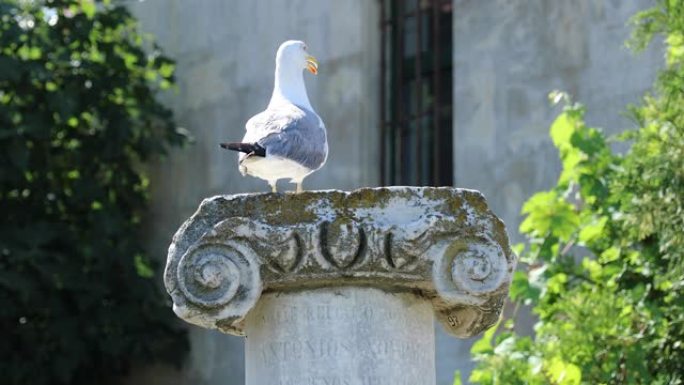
439 243
340 336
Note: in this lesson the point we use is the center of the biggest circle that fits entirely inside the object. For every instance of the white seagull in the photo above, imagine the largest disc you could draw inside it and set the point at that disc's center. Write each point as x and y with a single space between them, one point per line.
288 139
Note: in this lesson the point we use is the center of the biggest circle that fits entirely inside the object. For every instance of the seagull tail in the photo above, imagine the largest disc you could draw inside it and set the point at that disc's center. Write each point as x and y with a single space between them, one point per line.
247 148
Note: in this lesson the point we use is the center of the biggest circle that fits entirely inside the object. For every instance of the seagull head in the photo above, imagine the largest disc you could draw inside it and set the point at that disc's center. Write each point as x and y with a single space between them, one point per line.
293 53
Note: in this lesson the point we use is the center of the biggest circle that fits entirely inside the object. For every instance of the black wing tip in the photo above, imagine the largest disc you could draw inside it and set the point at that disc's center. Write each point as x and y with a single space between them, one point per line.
247 148
234 146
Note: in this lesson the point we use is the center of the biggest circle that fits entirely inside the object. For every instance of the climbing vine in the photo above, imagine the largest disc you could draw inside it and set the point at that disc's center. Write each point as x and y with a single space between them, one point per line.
604 257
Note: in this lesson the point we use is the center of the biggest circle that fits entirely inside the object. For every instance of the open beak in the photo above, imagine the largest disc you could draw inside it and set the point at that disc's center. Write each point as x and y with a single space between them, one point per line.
312 64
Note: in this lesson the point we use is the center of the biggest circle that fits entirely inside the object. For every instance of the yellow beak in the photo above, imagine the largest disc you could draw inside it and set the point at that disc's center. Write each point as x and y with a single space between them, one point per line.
312 64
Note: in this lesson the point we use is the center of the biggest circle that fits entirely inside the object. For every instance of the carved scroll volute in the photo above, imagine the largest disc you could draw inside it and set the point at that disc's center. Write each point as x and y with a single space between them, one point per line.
405 245
217 284
279 247
470 273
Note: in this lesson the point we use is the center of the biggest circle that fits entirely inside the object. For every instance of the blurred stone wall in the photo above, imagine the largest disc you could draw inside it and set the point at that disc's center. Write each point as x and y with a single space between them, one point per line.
507 56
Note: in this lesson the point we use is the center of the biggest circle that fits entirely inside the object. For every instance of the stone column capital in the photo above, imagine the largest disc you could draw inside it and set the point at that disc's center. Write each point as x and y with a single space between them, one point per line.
442 244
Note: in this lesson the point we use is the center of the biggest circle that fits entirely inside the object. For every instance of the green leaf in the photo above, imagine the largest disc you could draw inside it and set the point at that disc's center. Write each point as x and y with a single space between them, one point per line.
593 231
562 129
571 159
35 53
481 376
519 285
563 373
457 378
549 213
484 344
594 268
518 248
142 267
609 255
556 283
589 140
166 70
89 8
521 289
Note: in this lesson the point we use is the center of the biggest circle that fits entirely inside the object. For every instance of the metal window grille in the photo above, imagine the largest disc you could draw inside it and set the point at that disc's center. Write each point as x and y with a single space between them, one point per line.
416 92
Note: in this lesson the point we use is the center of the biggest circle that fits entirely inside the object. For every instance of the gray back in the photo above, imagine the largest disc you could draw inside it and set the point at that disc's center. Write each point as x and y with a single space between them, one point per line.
294 133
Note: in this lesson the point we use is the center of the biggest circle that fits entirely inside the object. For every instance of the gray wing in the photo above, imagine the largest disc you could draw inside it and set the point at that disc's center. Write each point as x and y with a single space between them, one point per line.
293 133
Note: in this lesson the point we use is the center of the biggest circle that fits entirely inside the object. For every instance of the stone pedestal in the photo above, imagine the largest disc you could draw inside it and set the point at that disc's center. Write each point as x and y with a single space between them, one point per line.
336 288
339 336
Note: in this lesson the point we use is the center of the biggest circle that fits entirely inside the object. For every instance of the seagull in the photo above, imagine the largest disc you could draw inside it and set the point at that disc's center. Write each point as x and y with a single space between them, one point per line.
288 139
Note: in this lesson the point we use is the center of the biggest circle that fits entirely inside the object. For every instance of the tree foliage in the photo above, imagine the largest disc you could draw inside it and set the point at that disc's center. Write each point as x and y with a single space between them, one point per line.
605 246
78 119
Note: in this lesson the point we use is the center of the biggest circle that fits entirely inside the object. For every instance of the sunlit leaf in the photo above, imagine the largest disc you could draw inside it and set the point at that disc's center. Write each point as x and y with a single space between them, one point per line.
484 345
457 378
88 7
593 231
562 129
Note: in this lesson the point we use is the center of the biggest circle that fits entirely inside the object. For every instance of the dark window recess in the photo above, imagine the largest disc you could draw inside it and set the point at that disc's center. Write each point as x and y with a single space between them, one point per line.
416 92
